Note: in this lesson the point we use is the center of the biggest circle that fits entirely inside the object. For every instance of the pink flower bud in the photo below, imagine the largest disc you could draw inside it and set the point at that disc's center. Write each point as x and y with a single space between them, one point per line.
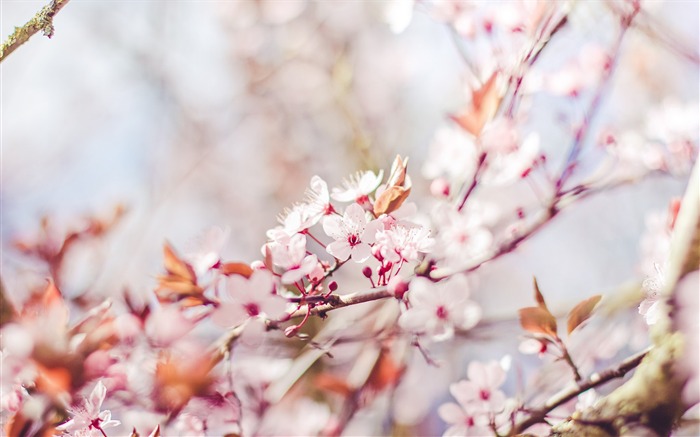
367 271
397 287
257 265
291 331
333 286
440 187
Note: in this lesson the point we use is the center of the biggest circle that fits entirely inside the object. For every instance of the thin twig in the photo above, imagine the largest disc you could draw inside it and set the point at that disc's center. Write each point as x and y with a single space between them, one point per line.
597 379
43 20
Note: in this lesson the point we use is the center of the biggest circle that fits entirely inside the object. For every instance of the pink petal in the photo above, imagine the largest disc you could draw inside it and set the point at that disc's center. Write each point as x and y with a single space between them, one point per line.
339 249
332 226
360 252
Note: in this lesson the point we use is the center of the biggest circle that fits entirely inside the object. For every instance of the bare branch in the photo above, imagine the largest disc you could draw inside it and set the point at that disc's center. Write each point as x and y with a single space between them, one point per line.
597 379
42 21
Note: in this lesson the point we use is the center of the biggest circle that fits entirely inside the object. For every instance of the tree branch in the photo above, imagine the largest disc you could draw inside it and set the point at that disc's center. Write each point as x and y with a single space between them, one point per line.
43 21
597 379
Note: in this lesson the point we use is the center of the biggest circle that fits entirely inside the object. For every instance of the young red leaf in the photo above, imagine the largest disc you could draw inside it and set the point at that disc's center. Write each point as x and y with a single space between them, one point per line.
236 268
398 189
386 372
485 102
538 295
175 266
538 320
333 384
581 313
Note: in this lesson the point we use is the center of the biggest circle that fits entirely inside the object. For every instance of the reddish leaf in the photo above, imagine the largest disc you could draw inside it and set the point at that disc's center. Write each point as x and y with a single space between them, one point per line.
175 266
398 188
581 312
390 200
538 295
178 381
538 320
180 282
331 383
236 268
7 310
485 102
385 373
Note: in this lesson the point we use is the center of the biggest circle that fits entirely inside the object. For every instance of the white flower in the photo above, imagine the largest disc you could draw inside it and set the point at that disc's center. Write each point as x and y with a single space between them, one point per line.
509 156
652 306
352 233
438 308
463 236
358 187
245 298
205 253
87 419
290 254
404 242
452 154
304 215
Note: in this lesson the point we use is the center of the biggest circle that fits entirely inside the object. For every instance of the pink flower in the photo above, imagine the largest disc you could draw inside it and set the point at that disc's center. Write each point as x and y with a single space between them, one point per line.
289 253
404 243
205 253
480 402
352 233
652 306
87 419
358 187
465 420
463 236
246 298
482 387
304 215
437 309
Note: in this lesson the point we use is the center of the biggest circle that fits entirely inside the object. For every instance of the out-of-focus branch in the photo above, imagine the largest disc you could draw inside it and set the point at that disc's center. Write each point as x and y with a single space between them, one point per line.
7 311
43 21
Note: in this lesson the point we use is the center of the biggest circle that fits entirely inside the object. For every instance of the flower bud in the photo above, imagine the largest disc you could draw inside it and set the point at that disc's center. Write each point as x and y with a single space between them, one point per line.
367 271
397 287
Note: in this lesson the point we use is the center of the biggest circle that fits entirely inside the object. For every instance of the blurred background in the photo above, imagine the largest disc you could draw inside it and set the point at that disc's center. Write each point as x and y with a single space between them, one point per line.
200 113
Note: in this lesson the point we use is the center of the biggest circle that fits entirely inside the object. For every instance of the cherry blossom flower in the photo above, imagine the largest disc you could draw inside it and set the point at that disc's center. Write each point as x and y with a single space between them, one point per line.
452 154
463 236
404 243
482 386
480 402
398 14
358 187
437 309
509 156
289 253
205 253
352 233
304 215
249 297
87 419
465 420
652 306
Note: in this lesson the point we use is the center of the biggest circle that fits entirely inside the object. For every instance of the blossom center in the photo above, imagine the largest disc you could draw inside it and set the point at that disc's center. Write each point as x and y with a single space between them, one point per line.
252 308
353 240
485 395
441 312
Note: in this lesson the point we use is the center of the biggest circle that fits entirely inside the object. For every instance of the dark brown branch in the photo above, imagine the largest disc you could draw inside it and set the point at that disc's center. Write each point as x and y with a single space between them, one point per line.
42 21
597 379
